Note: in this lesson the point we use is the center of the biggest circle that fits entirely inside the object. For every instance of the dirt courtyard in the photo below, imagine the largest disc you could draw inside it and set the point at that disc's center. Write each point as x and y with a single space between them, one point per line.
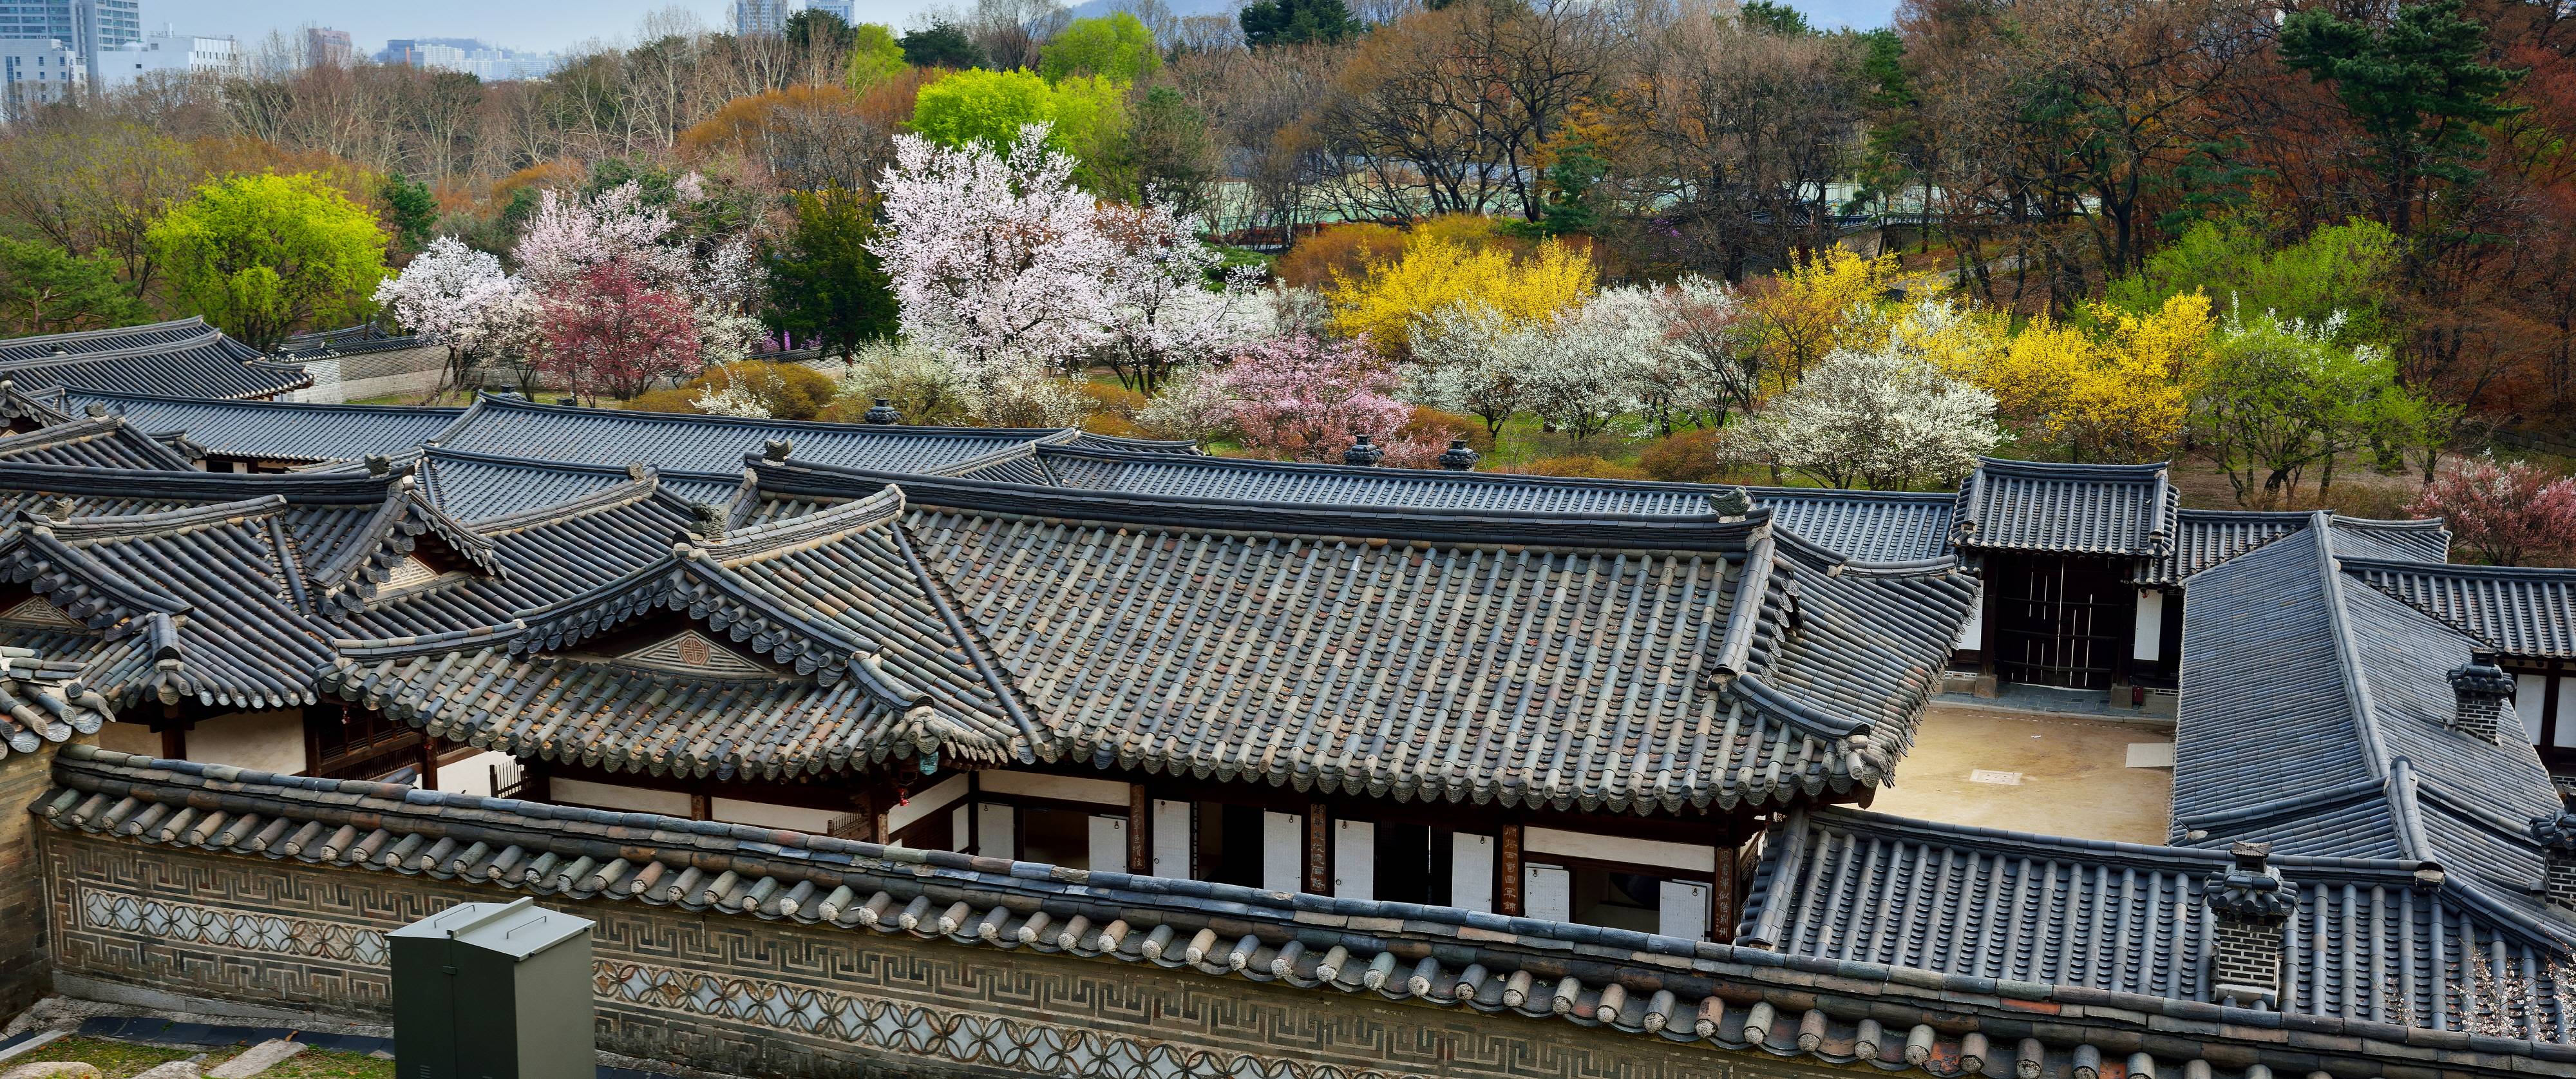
2046 773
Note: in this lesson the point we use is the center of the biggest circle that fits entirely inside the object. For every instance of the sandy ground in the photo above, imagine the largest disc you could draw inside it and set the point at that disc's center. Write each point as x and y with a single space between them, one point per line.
2074 777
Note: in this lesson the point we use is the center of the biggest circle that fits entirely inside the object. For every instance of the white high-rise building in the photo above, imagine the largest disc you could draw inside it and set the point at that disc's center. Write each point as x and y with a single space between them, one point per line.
752 17
168 50
87 27
35 72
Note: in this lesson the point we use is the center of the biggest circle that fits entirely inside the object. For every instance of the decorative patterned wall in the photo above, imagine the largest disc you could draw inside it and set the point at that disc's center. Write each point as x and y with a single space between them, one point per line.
737 994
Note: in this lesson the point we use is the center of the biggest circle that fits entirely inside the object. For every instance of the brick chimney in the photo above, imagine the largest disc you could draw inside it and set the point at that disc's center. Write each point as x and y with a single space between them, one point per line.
2252 906
2486 695
2556 834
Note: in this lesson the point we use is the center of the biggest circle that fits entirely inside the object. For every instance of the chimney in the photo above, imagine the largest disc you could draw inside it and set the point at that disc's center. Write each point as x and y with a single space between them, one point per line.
2251 906
777 449
1458 458
1363 452
2556 834
2485 693
882 413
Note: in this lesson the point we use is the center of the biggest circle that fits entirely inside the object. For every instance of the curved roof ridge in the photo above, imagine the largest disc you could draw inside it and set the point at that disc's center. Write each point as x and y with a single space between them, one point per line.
86 428
2356 688
2553 574
2074 469
283 406
346 487
644 482
1435 475
514 402
352 648
111 527
83 335
1708 533
741 545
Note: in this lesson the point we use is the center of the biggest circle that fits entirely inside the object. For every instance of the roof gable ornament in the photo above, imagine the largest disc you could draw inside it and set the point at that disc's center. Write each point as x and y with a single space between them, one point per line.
1731 504
695 652
36 612
706 521
777 449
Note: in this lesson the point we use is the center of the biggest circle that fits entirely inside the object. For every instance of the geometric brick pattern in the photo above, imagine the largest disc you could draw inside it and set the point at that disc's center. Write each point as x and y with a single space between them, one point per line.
753 997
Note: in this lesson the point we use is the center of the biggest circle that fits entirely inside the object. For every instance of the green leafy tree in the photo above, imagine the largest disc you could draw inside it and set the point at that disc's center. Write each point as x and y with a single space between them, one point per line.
410 211
1117 47
941 45
1087 117
2279 398
1297 22
261 255
1774 18
814 26
2418 86
825 283
45 289
875 56
2344 274
1175 159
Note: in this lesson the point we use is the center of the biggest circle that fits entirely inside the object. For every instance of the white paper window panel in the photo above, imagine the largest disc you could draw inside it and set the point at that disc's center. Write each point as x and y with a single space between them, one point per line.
1109 844
2566 713
1547 892
1354 859
1283 850
1973 635
1471 872
2149 636
1172 839
2529 695
924 803
961 828
1683 911
997 838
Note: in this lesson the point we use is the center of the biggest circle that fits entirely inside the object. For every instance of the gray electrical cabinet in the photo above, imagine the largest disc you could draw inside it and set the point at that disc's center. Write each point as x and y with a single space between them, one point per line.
493 991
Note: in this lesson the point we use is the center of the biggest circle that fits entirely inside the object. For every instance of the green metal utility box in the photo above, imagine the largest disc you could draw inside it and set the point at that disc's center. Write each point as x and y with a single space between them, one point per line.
493 991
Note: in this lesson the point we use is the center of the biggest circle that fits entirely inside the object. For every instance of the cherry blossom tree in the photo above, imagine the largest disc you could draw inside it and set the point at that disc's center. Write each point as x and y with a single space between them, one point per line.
1304 400
442 295
995 257
1883 416
572 233
1715 348
2504 512
614 332
1595 360
1477 360
1160 315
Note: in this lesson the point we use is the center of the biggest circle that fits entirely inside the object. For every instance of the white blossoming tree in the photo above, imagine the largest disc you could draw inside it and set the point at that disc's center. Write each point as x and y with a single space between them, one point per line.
1472 359
572 233
456 296
1159 315
1883 416
997 259
1595 361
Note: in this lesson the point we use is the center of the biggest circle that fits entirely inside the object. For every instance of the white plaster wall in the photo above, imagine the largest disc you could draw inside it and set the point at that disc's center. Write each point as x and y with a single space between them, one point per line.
266 741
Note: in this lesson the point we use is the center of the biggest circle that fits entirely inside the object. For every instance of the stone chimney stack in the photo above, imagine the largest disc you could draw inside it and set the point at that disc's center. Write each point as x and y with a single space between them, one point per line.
2252 907
1363 452
2556 835
2486 695
1458 457
882 413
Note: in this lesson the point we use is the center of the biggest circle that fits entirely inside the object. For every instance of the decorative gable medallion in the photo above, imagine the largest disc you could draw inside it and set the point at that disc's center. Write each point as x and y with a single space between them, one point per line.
411 573
36 612
690 650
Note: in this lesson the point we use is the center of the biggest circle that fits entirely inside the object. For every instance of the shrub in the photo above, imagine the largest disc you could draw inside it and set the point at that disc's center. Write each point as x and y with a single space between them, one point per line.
1585 466
919 382
1112 399
1346 250
1684 457
1434 427
1111 423
664 400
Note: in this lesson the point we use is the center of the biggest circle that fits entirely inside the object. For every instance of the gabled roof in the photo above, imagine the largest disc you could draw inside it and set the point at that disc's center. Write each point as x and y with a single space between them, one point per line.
1884 526
2115 510
202 363
96 442
476 486
116 339
847 655
503 425
2314 716
2381 941
1632 662
2522 612
275 430
2206 538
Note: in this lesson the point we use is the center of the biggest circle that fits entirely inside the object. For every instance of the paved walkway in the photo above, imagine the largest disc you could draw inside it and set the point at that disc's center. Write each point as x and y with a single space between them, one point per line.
152 1030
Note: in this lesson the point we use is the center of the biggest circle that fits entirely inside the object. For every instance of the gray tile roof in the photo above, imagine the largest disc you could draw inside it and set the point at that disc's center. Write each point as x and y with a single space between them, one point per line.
2206 538
2116 510
1761 1004
2314 715
276 430
2523 612
186 359
506 426
1547 659
476 486
1863 525
43 700
2380 941
94 441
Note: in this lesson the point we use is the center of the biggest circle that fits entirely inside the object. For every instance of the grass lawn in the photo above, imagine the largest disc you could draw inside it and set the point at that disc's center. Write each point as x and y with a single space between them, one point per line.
120 1060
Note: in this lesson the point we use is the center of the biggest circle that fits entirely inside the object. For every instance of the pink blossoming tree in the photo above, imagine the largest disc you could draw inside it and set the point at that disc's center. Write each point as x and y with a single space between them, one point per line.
2504 512
1302 399
611 332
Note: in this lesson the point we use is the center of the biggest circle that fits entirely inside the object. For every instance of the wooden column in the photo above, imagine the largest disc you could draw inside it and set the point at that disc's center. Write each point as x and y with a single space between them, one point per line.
701 807
1507 863
428 762
174 746
1724 909
1319 849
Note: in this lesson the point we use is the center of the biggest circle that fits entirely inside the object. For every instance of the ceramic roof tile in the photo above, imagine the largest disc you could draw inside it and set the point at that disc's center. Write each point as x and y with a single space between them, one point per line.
184 358
2118 510
506 426
276 430
95 441
2530 613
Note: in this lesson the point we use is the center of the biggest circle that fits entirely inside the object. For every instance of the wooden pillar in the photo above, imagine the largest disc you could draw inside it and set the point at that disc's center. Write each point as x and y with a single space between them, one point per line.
1319 849
1726 909
174 745
428 762
536 781
1140 836
1507 897
701 807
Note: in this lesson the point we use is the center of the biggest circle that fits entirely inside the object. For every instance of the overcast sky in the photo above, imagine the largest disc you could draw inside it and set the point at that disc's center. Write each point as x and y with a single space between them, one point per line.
540 25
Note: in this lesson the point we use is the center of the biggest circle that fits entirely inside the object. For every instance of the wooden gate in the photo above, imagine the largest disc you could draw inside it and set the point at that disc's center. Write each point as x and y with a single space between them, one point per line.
2062 621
